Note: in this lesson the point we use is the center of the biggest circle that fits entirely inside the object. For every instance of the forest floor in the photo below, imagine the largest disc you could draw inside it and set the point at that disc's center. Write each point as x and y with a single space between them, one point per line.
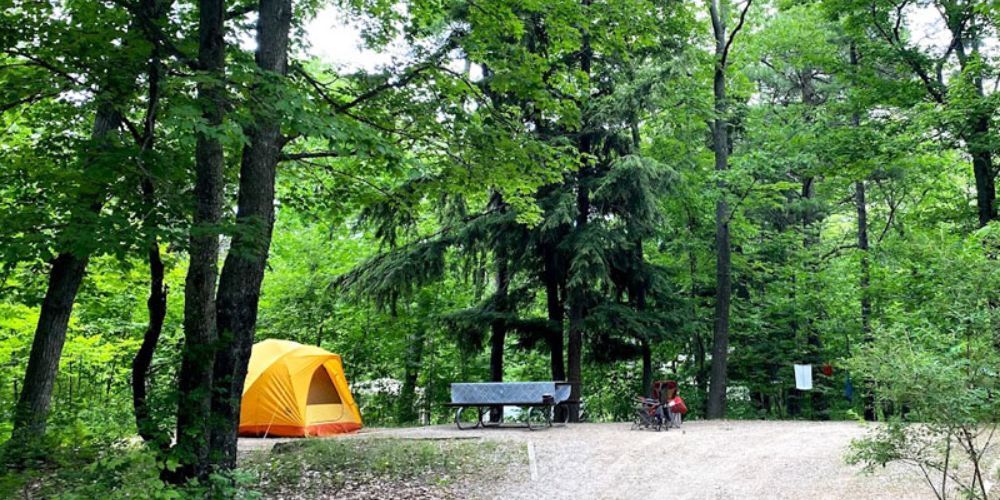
704 460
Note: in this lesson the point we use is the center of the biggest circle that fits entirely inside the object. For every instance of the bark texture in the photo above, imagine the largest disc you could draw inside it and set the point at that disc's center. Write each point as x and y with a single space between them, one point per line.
577 308
723 265
32 408
498 327
195 378
966 36
156 305
243 271
554 308
407 411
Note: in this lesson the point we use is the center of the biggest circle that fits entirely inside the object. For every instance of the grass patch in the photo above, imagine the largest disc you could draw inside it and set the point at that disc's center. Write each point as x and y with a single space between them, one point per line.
332 467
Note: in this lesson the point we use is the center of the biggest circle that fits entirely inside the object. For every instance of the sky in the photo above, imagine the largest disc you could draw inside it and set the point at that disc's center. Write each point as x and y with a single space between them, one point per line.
335 40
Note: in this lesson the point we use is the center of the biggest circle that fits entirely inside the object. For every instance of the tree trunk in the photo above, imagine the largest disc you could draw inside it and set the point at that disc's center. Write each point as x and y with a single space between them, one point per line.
577 296
554 307
647 367
723 266
200 334
576 308
862 209
157 307
966 36
982 167
811 238
698 341
498 327
639 291
32 408
243 271
65 277
156 304
866 306
408 394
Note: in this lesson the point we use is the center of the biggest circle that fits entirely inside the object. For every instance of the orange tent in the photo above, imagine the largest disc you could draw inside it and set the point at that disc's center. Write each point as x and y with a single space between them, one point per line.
295 390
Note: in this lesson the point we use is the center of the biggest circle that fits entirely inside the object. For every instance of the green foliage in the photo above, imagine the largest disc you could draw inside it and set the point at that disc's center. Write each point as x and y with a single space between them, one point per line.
89 468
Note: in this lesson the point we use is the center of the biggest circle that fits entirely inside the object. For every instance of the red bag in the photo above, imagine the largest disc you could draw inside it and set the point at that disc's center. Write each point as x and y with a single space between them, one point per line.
679 406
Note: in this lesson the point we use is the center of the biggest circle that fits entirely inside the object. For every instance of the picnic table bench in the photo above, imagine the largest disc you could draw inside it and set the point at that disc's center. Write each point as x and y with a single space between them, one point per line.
536 397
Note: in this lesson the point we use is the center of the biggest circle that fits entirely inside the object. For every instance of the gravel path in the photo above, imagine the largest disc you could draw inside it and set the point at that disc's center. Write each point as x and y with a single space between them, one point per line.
705 460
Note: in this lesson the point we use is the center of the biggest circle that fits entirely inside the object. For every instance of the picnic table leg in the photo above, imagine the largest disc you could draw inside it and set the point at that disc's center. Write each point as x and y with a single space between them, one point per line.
458 417
565 413
484 411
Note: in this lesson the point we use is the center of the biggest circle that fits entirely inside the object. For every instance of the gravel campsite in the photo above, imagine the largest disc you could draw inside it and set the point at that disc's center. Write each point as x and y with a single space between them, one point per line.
705 459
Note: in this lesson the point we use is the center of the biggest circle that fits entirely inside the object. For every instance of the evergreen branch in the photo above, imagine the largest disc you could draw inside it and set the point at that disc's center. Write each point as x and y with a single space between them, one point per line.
372 277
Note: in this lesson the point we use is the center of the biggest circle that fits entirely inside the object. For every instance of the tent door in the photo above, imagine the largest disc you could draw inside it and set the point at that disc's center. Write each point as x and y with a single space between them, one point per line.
324 403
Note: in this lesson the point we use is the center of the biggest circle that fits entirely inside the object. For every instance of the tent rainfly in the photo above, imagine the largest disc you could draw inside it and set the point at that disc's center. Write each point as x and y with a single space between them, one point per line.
295 390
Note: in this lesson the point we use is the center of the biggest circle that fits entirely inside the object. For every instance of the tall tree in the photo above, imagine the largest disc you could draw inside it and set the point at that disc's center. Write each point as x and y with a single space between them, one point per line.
53 46
721 146
864 280
65 276
153 13
200 332
243 271
577 296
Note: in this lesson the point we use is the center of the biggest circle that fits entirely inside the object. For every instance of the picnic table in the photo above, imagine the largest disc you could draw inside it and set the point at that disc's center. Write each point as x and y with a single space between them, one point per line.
535 397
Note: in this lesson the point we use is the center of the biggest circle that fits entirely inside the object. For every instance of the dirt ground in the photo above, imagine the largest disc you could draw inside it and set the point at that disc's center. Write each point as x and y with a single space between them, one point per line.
704 460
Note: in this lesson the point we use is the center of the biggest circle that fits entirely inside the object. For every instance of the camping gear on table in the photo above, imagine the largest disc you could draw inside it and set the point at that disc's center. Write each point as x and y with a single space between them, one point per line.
295 390
803 377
